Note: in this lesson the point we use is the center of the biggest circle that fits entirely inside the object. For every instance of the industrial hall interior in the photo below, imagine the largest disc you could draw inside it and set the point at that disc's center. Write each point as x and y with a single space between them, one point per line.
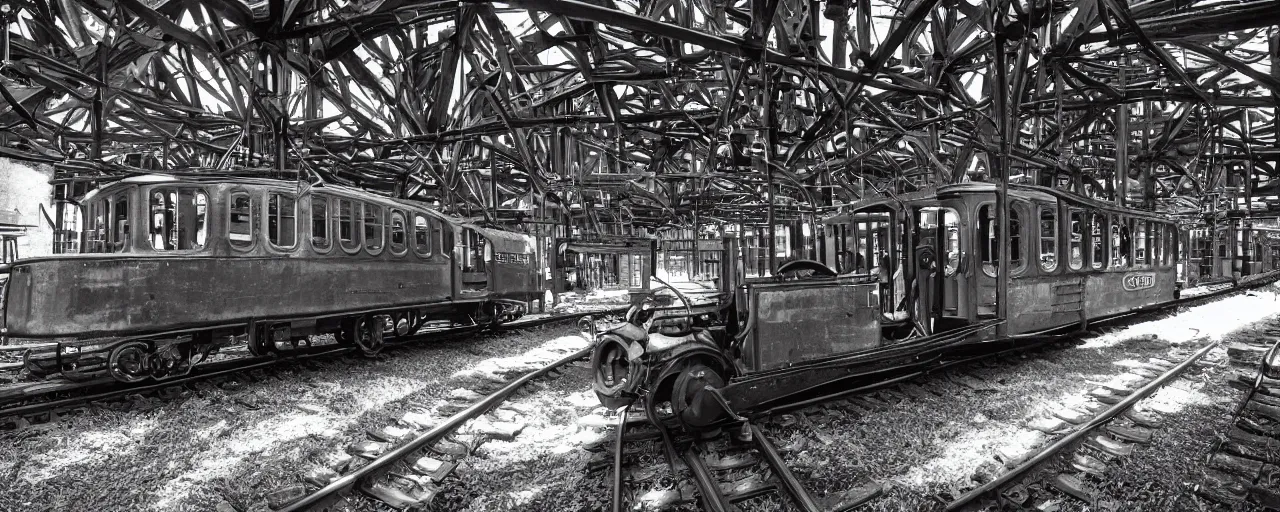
640 255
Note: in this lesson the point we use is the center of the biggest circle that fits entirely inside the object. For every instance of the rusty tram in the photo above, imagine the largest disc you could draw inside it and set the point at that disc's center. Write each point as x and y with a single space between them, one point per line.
172 267
897 279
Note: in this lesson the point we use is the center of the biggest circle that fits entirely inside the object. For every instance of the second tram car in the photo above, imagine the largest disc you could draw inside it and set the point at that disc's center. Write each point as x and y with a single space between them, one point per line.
899 277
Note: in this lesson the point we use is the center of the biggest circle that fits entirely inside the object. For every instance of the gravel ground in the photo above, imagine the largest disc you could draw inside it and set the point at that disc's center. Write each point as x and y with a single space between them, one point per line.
1163 475
232 445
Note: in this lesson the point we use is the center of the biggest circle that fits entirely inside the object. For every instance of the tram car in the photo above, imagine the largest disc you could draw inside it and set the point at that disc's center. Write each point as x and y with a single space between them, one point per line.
172 267
899 278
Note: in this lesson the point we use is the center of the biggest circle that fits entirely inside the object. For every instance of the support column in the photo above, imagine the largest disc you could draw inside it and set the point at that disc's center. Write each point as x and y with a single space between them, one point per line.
1122 139
98 123
1000 172
1148 169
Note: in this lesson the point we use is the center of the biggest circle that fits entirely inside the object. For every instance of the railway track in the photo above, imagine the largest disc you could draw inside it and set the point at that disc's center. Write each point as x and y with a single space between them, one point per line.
402 465
1095 441
24 404
1244 465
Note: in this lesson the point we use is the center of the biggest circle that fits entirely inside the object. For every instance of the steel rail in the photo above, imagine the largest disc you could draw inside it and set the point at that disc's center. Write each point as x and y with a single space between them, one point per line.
617 456
384 462
713 499
1264 369
788 479
1084 430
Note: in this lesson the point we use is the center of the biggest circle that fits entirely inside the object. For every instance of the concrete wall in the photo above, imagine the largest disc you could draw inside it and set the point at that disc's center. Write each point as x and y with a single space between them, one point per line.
24 187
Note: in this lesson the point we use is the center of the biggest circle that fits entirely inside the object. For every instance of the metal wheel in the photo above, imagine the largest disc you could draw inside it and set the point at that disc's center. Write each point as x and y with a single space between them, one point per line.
346 334
368 334
689 401
617 379
130 362
260 341
403 324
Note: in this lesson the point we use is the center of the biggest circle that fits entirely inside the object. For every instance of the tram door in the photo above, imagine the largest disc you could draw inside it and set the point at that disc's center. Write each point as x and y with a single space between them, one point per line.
942 305
474 255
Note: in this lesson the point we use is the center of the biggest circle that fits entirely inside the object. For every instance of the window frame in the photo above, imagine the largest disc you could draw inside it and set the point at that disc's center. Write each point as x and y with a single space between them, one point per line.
253 216
431 228
355 222
1018 211
391 232
950 259
1102 239
266 219
1126 231
382 231
96 228
178 189
1155 247
121 242
1137 235
1055 237
1078 217
311 212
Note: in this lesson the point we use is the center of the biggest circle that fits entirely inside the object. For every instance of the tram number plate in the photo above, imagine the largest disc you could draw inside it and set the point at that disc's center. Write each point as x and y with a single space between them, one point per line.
511 257
1134 282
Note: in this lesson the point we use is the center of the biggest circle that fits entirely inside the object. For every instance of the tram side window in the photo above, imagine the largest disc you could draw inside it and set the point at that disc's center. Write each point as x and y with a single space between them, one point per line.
320 240
1076 242
397 233
422 235
473 251
282 224
989 239
1098 237
1048 238
1156 232
1126 242
373 228
120 222
1140 242
951 223
240 227
989 233
178 219
1173 253
96 228
1119 243
347 222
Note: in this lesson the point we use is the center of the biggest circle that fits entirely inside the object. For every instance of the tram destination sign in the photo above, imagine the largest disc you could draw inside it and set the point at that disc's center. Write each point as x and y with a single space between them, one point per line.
1139 281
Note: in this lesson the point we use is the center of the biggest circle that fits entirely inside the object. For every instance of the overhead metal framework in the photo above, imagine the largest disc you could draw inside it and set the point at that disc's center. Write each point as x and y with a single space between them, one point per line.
655 112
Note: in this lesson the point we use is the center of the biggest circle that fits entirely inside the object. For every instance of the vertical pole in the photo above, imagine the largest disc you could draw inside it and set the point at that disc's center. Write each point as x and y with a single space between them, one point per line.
1122 138
767 92
281 126
1148 170
1000 166
493 184
99 124
1247 255
695 254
